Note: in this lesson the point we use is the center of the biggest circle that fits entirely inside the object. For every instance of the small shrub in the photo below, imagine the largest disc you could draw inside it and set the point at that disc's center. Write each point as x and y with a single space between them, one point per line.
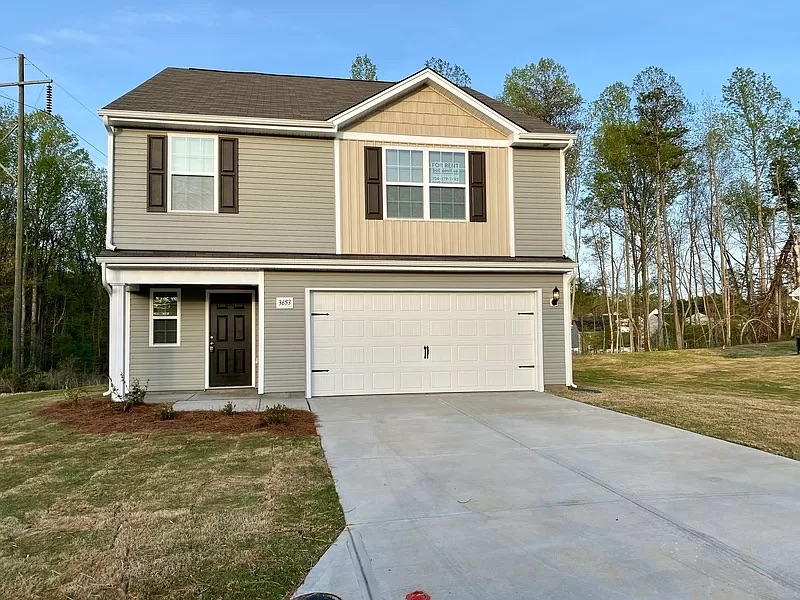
228 409
280 414
74 396
135 395
165 413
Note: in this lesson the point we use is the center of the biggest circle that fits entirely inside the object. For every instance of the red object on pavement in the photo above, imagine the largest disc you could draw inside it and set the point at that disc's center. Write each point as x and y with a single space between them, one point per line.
418 595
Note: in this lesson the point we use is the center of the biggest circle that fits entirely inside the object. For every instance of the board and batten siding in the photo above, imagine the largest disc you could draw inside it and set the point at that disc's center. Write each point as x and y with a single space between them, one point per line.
286 200
428 111
538 216
284 329
419 237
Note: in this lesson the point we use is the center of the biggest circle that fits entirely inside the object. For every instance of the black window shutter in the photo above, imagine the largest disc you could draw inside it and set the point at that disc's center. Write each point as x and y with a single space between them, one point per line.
157 173
477 187
373 182
228 175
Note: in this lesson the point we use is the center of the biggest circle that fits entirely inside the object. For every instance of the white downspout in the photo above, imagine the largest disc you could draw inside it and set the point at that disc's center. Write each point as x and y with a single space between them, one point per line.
110 185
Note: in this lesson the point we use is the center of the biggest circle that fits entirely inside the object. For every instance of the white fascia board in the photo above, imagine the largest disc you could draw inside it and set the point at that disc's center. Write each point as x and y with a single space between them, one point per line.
206 271
150 275
562 141
417 79
158 119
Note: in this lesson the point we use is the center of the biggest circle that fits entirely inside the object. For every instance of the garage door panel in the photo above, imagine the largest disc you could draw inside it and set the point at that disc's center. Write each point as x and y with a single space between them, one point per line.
383 355
440 328
468 380
467 327
374 342
411 303
412 381
352 303
383 329
409 328
468 354
352 355
350 328
411 354
384 382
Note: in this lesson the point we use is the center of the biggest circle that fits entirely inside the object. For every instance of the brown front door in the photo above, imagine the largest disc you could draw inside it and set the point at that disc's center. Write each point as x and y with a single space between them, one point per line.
230 344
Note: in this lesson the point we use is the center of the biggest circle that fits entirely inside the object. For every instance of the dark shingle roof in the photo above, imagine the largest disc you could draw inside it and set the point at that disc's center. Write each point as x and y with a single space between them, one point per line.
267 96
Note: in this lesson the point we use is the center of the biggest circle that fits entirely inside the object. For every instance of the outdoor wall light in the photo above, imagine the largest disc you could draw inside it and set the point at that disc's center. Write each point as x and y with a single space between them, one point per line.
556 297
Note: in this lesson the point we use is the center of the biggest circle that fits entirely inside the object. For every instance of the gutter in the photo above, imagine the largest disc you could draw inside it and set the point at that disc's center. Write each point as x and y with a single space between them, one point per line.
112 133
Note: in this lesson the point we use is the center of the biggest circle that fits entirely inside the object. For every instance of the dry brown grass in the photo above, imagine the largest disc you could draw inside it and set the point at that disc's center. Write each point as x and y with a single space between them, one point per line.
157 515
749 395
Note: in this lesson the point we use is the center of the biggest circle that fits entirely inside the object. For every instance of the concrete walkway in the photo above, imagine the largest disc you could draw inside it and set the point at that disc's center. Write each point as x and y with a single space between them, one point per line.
525 495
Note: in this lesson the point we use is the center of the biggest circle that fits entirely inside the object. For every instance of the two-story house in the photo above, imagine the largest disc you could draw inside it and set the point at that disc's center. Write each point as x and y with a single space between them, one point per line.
333 237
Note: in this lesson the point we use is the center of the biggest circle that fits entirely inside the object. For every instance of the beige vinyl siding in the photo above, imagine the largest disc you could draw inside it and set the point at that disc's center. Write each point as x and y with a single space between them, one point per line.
169 367
173 368
432 237
286 200
284 330
428 111
538 216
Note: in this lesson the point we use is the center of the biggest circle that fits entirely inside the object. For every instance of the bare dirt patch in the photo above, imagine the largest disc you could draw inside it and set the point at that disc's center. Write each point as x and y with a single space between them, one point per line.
98 415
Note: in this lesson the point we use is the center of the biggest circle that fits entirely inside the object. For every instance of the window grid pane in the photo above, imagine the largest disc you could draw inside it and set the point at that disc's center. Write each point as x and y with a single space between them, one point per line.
165 331
192 192
404 166
165 304
404 202
447 167
192 155
447 203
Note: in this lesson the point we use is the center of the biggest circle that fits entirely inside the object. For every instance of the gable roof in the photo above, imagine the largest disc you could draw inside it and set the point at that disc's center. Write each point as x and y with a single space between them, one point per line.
268 96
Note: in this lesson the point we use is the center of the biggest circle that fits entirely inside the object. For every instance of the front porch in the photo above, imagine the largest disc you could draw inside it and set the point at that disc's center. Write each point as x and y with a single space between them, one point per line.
245 399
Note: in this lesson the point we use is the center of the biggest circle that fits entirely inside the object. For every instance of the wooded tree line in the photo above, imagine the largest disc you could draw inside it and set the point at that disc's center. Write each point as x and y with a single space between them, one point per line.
65 306
681 215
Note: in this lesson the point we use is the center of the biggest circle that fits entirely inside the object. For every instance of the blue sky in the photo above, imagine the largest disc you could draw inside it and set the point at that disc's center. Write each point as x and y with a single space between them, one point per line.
99 50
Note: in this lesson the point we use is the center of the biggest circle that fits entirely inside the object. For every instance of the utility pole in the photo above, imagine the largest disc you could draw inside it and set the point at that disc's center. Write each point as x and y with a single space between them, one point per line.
16 344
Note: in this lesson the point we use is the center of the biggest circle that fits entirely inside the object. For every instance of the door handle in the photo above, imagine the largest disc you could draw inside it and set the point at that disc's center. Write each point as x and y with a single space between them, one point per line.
427 352
211 347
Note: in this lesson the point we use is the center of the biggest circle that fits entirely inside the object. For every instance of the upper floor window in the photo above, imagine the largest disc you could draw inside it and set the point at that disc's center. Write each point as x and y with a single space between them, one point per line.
426 184
193 171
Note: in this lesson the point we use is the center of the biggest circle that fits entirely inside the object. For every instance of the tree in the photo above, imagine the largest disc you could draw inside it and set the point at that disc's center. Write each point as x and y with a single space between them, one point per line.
451 72
661 110
363 68
544 90
757 117
64 302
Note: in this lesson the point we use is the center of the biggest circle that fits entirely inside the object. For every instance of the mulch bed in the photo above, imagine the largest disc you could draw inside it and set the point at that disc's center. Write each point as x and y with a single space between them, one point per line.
97 415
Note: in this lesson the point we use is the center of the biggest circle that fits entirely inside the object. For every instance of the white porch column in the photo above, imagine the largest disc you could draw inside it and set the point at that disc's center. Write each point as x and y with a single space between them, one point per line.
261 342
117 334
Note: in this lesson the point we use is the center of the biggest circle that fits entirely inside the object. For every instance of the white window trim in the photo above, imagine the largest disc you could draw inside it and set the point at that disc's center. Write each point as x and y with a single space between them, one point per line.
177 317
426 184
215 173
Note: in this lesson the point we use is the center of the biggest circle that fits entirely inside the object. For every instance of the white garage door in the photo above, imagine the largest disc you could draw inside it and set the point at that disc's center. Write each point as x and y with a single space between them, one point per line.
412 342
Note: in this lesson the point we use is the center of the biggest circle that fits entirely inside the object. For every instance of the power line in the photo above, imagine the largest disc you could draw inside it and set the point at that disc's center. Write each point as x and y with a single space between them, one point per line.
103 154
63 89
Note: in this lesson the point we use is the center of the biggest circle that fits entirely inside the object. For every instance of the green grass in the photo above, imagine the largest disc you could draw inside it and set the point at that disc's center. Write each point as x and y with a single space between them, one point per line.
157 516
746 394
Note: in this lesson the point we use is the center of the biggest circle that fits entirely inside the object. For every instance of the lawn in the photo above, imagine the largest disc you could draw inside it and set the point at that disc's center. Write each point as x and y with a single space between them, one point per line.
158 514
746 394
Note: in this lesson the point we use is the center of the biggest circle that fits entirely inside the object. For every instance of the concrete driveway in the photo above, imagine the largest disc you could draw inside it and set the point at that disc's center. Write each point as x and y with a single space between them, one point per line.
525 495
